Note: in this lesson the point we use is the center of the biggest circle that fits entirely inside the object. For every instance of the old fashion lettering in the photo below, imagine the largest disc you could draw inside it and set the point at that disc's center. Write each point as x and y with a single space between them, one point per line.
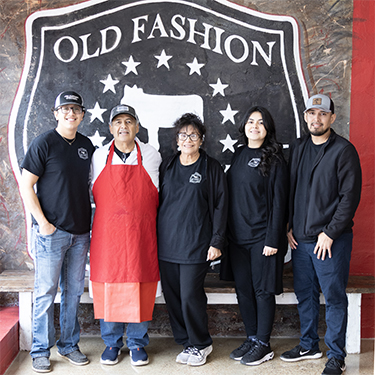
177 27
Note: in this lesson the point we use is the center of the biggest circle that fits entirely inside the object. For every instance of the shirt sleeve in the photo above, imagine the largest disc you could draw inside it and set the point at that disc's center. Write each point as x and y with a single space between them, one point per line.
277 198
218 201
349 190
98 161
35 158
151 160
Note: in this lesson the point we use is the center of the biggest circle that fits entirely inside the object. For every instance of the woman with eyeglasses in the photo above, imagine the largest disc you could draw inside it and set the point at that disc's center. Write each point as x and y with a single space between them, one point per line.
191 233
258 195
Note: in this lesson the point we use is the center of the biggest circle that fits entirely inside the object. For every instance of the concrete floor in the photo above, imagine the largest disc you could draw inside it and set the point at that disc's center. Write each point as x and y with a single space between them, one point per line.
163 351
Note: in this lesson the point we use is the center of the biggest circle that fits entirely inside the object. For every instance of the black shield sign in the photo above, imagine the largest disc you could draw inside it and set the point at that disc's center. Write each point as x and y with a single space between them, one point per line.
165 58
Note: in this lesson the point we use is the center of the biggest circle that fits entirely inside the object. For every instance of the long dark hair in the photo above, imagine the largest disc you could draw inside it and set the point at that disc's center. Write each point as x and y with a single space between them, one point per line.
271 148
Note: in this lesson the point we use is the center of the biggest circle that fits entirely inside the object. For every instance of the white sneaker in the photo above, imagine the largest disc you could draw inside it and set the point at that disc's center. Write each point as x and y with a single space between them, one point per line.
184 355
198 356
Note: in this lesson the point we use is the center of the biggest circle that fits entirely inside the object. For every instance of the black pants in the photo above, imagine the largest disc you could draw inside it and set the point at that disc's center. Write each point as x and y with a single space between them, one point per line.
183 288
257 307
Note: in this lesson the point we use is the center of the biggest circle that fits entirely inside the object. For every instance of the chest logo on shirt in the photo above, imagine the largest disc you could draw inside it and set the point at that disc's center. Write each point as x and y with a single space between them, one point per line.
254 162
82 153
195 178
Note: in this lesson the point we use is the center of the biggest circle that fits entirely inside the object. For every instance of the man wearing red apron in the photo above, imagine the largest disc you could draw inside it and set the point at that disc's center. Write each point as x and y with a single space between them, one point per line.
123 254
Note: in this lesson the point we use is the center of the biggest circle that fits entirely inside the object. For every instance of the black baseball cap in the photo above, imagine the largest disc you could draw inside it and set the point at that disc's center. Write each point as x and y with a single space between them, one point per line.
68 97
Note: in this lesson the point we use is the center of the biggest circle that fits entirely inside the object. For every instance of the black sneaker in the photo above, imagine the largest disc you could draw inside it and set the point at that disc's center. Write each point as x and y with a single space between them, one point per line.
238 353
41 364
258 354
334 366
75 357
298 354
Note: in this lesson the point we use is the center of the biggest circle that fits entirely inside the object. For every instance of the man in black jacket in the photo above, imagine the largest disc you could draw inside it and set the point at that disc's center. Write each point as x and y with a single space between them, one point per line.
325 188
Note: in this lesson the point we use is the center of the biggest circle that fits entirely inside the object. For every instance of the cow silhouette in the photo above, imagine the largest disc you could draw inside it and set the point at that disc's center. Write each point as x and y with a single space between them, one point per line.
160 111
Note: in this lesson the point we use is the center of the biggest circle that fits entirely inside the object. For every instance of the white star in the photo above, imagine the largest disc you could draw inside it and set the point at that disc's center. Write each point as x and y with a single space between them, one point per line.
109 84
218 87
228 114
131 66
228 143
96 112
195 67
96 139
163 59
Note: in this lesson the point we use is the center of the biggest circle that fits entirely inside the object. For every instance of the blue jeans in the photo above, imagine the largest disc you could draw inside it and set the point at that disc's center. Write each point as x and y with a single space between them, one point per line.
331 275
58 256
137 336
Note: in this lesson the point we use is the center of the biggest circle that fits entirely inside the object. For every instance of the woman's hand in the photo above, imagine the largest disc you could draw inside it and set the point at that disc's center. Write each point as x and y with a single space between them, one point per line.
291 240
213 253
268 251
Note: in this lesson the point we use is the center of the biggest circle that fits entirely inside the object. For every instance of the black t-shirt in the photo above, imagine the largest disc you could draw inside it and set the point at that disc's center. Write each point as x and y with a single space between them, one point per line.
247 215
184 228
302 188
63 184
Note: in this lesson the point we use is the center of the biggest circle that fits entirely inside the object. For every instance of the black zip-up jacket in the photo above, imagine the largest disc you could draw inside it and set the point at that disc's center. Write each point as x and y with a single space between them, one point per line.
217 196
334 188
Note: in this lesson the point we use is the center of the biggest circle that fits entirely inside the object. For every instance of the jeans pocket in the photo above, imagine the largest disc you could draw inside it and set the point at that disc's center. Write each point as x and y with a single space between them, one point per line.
52 243
46 235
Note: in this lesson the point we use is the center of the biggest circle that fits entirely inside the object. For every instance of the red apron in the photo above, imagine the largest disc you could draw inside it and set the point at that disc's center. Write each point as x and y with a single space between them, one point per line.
123 245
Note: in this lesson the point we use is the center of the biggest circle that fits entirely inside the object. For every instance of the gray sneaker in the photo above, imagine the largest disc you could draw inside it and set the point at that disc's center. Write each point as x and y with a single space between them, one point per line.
76 357
41 364
184 355
198 356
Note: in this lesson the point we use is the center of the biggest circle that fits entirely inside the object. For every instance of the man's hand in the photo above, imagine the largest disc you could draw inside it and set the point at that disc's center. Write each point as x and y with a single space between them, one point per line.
46 229
323 246
213 253
291 240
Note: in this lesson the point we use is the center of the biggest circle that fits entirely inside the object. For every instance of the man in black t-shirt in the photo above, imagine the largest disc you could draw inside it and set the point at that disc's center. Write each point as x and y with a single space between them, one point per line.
325 189
58 164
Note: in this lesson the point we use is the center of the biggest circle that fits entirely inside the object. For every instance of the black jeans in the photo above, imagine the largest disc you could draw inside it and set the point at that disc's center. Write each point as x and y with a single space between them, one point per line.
183 288
257 307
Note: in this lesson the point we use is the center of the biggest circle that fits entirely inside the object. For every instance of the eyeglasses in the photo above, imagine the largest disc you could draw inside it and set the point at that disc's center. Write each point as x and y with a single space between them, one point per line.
65 109
183 136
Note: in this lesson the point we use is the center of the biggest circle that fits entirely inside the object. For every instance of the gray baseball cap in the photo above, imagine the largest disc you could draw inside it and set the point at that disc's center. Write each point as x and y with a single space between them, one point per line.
320 101
123 109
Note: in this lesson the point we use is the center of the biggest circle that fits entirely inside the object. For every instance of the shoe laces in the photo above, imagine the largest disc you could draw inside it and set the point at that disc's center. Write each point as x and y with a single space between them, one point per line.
246 343
195 351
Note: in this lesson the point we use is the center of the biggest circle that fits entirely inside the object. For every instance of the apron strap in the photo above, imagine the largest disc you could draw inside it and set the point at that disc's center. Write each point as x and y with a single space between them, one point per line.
139 155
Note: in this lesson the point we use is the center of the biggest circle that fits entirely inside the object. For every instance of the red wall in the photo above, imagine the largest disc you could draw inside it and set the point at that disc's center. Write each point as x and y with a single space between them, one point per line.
362 131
